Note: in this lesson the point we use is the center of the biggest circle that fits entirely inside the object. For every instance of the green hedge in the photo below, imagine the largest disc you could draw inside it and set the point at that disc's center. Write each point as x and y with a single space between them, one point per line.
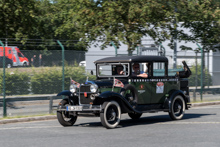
50 81
16 84
45 81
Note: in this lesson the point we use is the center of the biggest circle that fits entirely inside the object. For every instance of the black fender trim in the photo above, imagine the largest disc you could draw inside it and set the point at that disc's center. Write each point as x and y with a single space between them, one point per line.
72 99
124 104
65 92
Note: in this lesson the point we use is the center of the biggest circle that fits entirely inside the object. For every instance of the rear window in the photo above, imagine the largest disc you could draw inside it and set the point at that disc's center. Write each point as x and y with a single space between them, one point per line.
158 69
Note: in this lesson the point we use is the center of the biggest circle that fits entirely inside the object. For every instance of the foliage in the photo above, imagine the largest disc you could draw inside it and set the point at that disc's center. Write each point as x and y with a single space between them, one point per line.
120 21
195 79
50 81
16 83
17 19
202 19
45 81
103 21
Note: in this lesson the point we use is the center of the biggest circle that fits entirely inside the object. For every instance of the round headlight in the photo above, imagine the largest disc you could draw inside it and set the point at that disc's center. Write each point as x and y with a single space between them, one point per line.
73 88
93 88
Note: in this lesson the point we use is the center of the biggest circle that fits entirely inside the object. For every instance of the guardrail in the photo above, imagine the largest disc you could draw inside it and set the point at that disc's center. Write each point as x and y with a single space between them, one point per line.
209 89
49 97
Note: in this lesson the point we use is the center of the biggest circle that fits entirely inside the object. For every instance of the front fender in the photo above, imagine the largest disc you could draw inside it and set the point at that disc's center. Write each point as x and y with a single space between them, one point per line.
65 92
124 104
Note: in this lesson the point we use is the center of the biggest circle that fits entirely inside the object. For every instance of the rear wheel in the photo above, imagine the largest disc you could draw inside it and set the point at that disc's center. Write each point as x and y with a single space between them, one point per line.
64 118
111 116
177 108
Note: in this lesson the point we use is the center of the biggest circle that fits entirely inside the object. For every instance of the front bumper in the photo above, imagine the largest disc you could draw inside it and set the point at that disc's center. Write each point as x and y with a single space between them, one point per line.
80 108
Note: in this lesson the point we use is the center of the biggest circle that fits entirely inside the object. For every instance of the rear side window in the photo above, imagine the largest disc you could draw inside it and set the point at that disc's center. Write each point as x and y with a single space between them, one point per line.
158 69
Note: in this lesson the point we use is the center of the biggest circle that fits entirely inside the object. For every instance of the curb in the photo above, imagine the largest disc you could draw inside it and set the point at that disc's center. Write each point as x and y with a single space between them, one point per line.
27 119
49 117
205 104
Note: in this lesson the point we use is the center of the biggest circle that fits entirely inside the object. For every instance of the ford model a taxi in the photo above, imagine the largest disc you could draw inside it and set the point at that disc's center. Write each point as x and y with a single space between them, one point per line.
127 84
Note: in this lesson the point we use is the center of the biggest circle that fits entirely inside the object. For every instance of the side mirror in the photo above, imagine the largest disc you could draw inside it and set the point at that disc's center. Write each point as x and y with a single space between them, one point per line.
91 72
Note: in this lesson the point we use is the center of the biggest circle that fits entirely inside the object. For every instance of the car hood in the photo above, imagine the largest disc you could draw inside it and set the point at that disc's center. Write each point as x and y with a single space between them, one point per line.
104 83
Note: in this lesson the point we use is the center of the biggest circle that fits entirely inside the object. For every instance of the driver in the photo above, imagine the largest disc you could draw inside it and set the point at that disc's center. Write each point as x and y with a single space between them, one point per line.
136 69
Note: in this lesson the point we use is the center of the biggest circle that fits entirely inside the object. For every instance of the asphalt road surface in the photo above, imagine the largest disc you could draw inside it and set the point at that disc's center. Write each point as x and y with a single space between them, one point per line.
199 127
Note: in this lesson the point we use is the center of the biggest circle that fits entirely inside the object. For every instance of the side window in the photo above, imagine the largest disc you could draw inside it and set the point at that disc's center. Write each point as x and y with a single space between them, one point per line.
9 51
141 69
109 70
158 69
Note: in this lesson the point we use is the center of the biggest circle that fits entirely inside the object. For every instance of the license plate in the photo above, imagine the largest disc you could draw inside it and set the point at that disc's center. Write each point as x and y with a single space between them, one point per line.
74 108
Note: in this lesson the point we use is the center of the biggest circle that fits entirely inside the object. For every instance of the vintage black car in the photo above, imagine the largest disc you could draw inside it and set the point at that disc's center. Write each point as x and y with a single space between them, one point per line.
127 84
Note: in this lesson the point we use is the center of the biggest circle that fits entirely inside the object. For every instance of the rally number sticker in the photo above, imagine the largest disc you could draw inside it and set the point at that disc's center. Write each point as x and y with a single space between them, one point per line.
160 87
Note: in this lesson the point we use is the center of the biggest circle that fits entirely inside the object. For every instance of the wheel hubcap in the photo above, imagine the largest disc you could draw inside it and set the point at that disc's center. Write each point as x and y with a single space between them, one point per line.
112 115
177 108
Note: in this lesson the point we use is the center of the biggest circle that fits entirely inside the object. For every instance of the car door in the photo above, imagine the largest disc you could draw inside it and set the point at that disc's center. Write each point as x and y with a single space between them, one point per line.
143 88
158 82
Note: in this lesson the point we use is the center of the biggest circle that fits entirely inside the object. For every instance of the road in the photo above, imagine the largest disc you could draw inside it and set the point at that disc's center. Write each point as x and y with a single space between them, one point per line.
199 127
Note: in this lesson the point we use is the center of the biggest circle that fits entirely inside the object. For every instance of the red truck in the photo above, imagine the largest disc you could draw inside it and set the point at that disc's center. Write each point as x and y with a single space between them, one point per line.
13 53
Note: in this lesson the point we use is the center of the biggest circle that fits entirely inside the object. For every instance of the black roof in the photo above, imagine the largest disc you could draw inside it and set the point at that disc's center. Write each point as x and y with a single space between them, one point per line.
142 58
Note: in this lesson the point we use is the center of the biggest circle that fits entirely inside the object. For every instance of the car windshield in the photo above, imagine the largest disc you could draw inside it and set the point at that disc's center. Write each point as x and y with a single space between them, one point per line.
113 70
20 54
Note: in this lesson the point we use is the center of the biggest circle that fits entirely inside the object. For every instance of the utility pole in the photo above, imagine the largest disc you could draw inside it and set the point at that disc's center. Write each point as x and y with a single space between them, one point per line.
175 40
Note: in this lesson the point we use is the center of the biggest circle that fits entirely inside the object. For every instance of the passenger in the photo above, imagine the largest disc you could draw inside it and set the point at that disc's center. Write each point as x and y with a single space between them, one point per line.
119 69
136 69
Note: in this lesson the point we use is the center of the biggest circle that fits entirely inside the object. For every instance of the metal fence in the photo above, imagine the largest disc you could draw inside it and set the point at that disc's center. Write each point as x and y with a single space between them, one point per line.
48 72
33 73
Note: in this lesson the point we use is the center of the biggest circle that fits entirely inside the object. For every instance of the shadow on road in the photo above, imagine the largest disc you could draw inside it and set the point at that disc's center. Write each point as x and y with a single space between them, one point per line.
144 120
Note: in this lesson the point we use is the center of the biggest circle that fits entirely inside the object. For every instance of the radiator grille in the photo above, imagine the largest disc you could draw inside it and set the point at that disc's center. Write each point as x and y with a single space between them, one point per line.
85 88
85 100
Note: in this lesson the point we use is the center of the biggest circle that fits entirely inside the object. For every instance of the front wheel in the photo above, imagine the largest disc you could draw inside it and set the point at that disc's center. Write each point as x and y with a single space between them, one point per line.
177 108
111 116
64 118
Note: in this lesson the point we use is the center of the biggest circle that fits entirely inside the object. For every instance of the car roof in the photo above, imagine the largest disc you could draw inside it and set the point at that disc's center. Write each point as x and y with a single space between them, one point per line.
142 58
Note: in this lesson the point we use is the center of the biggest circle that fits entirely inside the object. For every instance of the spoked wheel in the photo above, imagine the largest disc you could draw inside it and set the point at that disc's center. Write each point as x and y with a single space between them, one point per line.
135 116
177 108
64 118
111 116
130 94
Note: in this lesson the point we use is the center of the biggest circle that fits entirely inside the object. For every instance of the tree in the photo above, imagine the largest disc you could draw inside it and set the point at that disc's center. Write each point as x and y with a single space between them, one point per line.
195 78
17 18
202 18
125 21
52 14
